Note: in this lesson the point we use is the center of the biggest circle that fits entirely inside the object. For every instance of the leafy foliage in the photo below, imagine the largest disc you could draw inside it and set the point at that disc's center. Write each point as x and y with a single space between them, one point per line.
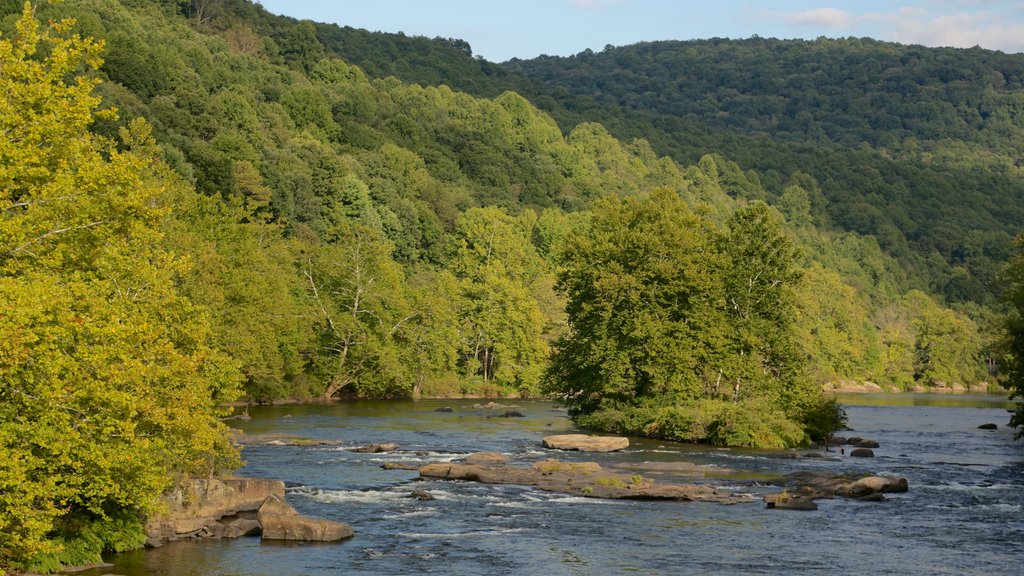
111 385
664 305
1013 342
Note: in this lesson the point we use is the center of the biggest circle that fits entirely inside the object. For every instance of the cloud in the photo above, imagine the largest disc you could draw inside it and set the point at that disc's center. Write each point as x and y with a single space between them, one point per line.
823 17
961 30
992 24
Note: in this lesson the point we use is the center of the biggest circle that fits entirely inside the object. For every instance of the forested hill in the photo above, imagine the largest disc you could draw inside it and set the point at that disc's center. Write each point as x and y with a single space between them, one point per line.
310 171
918 147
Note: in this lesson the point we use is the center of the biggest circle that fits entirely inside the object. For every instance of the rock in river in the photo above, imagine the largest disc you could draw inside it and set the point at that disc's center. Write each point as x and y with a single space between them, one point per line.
281 522
862 453
375 448
989 426
577 478
233 507
785 501
585 443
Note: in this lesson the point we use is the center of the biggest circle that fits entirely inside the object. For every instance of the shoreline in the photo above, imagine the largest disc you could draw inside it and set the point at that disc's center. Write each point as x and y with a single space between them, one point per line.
828 389
867 387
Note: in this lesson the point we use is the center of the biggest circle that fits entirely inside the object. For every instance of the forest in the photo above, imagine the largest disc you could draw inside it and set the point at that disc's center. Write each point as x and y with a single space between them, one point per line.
201 203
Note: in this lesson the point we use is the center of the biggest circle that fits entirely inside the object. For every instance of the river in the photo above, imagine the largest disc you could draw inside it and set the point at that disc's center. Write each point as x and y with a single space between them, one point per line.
962 515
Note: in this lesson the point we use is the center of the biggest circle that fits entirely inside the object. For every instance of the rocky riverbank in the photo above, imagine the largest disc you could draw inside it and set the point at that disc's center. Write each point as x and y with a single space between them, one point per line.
233 507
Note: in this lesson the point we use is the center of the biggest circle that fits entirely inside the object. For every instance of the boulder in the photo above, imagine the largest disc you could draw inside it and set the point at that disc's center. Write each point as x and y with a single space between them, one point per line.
871 486
241 527
375 448
210 508
486 458
853 440
862 453
989 426
421 495
194 508
240 438
280 521
513 414
586 443
491 406
866 444
578 478
400 466
784 501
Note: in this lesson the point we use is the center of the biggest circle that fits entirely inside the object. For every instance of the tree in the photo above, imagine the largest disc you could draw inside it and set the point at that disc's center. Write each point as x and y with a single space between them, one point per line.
501 322
111 387
1013 343
642 303
760 275
680 330
360 305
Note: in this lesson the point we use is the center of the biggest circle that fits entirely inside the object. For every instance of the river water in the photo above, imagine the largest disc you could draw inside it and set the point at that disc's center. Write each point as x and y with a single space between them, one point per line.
962 515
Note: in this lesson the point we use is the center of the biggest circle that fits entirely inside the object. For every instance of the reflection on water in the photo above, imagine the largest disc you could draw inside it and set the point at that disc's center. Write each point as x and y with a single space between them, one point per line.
963 514
935 400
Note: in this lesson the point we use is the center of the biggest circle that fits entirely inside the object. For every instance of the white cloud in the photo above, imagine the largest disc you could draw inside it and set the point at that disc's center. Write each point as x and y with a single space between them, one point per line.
990 24
823 17
960 30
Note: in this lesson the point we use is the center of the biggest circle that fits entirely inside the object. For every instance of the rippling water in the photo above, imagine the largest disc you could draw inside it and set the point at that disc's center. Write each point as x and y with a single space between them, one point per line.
963 514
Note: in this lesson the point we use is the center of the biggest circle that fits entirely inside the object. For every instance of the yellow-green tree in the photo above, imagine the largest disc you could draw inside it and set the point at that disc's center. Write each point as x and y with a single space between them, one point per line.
109 387
502 323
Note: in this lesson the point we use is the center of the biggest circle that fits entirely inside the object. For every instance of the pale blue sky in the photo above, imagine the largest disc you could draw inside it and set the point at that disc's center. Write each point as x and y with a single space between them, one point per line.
499 30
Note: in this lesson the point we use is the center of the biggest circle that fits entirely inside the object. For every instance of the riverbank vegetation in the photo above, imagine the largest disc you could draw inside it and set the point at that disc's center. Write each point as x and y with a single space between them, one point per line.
198 203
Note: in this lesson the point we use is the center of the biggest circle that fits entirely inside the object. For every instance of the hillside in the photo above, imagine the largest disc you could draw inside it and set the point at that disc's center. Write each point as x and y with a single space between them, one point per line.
310 156
918 147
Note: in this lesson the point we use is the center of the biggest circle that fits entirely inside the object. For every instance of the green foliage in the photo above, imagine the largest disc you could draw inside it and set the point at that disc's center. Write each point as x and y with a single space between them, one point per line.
502 323
111 383
81 540
823 417
359 293
666 309
752 423
911 155
1012 345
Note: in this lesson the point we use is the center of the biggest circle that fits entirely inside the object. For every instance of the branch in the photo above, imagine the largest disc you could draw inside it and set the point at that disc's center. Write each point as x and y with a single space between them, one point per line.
54 233
402 321
34 202
316 294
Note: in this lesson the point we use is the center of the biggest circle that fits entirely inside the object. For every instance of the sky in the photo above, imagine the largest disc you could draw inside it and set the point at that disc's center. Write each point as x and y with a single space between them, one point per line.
500 30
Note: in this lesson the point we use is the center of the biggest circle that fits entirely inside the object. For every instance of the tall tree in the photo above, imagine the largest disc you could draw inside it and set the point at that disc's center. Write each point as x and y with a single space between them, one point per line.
501 321
361 309
642 291
110 386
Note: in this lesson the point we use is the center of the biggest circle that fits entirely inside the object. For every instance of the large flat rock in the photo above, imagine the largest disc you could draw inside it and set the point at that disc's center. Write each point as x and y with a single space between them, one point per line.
586 443
578 478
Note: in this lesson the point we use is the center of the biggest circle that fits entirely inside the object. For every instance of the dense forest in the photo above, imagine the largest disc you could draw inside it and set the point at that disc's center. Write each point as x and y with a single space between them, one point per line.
201 203
917 147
